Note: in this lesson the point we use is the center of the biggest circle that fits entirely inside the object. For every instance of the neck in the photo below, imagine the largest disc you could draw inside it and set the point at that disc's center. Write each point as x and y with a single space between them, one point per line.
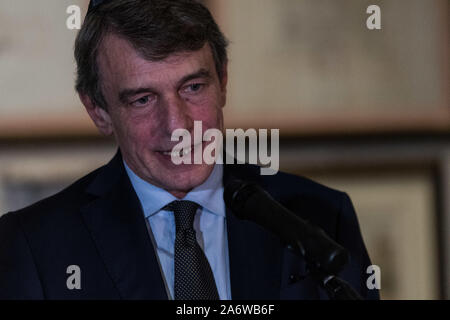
178 194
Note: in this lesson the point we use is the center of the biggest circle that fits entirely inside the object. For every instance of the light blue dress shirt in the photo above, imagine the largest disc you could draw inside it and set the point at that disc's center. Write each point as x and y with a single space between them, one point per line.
209 224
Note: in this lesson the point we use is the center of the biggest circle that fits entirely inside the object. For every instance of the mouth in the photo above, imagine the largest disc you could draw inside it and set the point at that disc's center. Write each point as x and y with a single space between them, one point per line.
180 152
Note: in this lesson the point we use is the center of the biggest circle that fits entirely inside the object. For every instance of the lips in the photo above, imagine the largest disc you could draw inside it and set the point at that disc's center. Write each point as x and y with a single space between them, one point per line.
180 151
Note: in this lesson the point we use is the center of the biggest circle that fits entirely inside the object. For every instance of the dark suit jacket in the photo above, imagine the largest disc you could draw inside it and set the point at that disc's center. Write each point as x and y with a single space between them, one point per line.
97 224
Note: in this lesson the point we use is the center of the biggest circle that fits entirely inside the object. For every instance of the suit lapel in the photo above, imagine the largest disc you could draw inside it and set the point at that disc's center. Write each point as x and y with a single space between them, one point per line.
255 261
118 228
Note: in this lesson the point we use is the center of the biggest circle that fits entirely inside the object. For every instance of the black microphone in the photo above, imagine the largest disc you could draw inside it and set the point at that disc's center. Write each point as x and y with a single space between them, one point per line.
249 201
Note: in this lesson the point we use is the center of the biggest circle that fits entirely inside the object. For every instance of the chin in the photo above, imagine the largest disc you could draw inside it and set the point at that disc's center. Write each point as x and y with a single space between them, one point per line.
190 178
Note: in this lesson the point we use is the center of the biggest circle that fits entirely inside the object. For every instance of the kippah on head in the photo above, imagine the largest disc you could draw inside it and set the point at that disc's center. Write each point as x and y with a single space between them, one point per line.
95 3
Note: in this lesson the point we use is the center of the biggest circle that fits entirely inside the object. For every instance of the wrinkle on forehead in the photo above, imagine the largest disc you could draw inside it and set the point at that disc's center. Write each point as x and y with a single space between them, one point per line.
134 69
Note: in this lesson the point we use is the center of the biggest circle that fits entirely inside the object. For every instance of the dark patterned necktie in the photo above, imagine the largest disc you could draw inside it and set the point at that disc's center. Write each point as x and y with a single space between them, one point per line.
194 279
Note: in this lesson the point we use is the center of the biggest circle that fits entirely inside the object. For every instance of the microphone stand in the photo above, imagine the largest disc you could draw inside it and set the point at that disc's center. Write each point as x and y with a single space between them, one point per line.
324 257
336 288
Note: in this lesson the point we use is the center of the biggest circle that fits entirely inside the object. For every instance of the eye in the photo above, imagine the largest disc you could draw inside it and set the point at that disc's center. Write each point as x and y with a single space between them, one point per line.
141 102
195 87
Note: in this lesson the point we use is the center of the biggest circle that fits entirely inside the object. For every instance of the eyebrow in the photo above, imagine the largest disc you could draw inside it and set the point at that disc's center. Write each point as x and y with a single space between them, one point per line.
126 93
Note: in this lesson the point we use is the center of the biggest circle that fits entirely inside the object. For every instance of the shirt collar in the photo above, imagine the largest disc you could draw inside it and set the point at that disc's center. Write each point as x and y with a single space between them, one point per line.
209 194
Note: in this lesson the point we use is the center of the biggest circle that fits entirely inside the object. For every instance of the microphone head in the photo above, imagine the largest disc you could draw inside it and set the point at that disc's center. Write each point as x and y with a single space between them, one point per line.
248 201
236 193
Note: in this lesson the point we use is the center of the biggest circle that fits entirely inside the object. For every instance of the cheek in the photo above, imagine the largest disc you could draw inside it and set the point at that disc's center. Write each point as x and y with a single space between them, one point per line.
209 112
144 135
132 133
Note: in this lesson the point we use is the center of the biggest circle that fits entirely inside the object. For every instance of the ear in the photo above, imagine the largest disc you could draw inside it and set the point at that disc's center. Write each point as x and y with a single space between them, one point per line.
100 116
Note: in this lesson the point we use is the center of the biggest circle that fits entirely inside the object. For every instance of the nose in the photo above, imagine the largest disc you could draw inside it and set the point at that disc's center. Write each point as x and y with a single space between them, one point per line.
177 114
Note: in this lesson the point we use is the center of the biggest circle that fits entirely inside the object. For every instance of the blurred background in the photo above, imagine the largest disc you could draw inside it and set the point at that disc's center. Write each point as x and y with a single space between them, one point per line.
363 111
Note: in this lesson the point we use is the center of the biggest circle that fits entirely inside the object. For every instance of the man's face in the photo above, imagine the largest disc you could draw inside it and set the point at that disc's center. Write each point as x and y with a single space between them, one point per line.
148 100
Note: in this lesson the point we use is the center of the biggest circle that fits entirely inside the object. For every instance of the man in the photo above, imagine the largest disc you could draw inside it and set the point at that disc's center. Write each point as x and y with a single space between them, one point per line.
142 227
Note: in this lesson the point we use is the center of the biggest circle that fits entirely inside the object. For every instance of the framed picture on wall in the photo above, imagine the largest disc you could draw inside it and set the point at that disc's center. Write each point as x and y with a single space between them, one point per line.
37 69
398 220
309 66
28 175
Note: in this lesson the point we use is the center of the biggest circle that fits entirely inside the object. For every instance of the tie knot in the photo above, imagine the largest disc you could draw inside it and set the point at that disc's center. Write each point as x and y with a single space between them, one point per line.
184 212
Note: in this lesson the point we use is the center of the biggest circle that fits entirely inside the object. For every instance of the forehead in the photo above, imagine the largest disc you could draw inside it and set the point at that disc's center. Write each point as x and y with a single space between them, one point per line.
119 61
